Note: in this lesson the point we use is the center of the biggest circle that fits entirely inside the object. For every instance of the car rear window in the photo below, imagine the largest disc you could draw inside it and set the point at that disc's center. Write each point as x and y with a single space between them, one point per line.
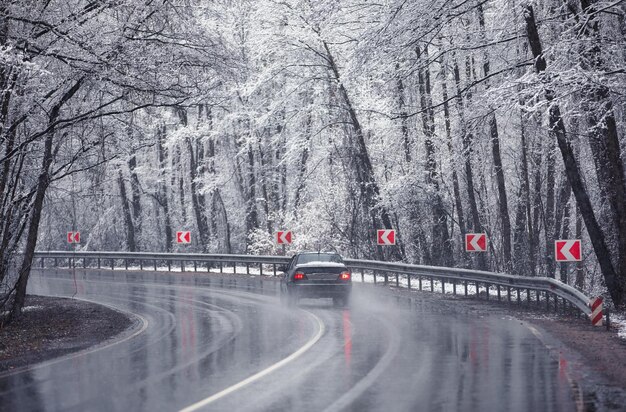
319 257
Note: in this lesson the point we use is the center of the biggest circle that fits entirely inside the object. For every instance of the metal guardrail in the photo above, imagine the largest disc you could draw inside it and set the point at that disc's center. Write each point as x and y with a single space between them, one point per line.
516 288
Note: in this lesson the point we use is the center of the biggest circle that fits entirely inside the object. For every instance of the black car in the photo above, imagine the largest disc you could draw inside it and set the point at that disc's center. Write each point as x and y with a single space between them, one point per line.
316 275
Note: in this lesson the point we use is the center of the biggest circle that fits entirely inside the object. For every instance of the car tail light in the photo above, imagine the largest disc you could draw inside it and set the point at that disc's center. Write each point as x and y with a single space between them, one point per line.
299 276
344 276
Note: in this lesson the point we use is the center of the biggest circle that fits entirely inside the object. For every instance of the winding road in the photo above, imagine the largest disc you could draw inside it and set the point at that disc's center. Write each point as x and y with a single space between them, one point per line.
224 343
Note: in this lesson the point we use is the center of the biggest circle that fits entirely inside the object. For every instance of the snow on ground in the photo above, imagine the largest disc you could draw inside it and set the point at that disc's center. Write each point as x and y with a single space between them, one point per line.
31 308
619 319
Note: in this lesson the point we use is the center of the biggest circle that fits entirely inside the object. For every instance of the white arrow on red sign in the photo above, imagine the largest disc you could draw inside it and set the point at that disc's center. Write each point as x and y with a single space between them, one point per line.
183 237
386 237
475 242
73 237
283 237
567 250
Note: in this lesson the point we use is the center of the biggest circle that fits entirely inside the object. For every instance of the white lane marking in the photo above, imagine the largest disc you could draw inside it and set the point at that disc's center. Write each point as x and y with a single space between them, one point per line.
264 372
370 379
577 392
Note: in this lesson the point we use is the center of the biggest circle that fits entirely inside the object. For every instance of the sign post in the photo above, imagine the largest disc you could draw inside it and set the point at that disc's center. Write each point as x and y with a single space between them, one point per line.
73 238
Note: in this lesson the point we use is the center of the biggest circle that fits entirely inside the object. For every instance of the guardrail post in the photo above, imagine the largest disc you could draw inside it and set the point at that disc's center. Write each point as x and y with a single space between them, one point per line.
56 263
99 267
374 273
274 269
499 296
432 284
443 286
84 263
195 266
508 294
182 265
234 268
528 297
247 268
487 285
419 279
556 303
386 277
42 262
465 286
454 286
155 265
169 265
261 269
519 297
140 264
408 281
397 280
126 264
362 275
112 264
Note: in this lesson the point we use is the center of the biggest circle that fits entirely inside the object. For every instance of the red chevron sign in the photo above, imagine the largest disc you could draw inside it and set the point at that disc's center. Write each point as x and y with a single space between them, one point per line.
73 237
183 237
475 242
283 237
386 237
567 250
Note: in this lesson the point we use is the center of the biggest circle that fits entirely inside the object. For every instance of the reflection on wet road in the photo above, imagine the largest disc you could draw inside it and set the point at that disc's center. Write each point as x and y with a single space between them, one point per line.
209 335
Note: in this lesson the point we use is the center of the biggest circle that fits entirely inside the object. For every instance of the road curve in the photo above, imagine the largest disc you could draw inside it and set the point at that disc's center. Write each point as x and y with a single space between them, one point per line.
225 344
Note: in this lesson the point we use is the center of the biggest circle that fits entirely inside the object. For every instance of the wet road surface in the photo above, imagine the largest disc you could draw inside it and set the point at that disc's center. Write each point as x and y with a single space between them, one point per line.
226 344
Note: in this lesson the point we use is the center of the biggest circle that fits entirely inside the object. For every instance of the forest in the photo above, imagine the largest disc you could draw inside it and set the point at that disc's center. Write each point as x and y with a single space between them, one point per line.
130 120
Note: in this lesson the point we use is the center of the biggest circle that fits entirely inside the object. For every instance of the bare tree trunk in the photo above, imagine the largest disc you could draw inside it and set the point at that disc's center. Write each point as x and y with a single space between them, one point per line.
406 139
128 220
612 281
580 268
468 138
252 216
524 249
302 166
136 196
604 138
267 196
42 186
537 204
497 157
441 247
549 225
370 192
162 195
199 211
565 235
455 179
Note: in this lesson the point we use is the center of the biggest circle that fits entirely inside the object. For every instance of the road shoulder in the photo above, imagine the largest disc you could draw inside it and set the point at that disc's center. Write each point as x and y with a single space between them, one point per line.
53 327
594 358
